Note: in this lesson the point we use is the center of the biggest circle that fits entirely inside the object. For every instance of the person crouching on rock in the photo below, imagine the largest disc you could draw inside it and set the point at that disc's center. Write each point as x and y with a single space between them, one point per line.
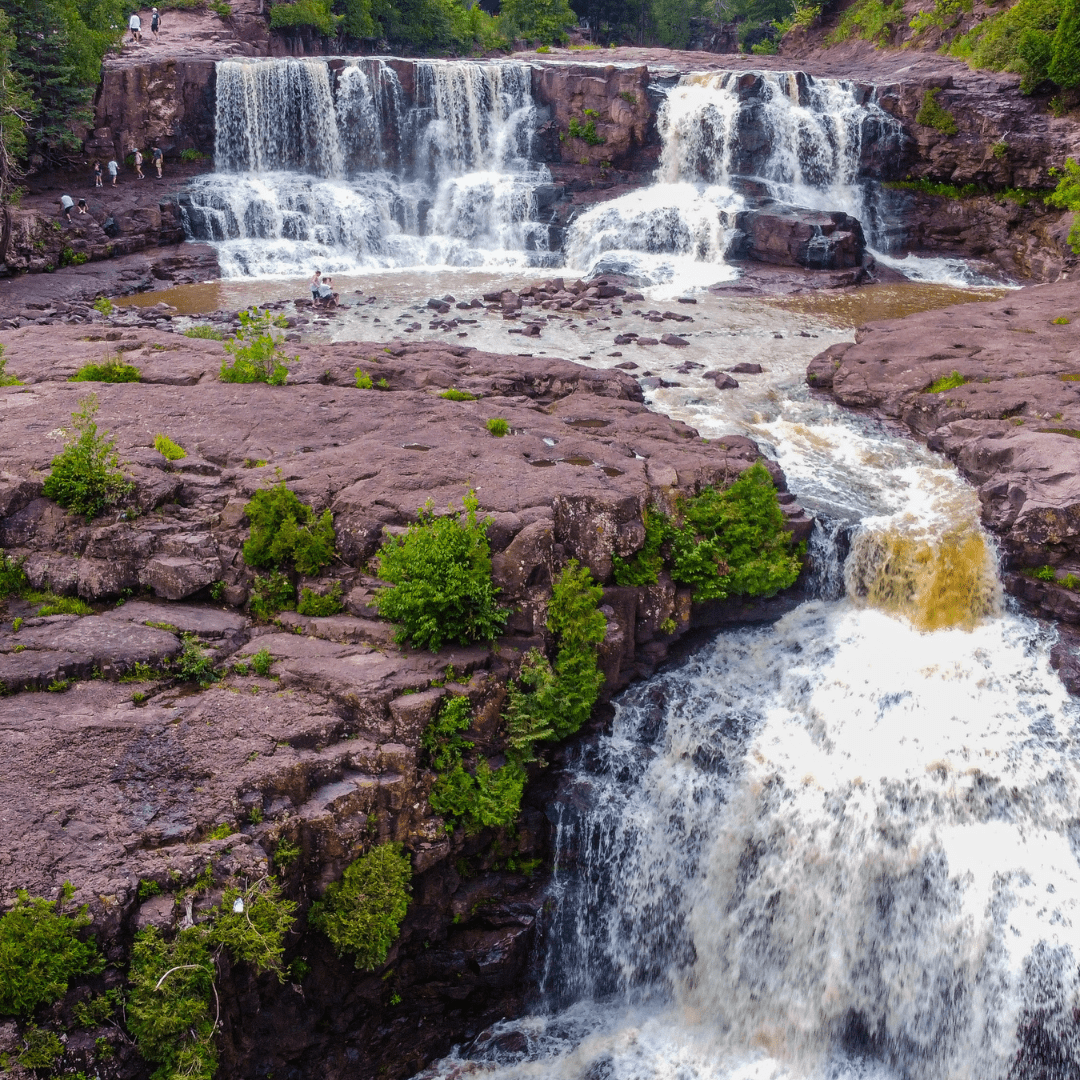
82 207
327 296
67 204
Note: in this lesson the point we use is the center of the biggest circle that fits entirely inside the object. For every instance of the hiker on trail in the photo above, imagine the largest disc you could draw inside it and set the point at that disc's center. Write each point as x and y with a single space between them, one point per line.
155 22
82 207
67 204
113 170
138 162
135 26
97 174
157 157
315 287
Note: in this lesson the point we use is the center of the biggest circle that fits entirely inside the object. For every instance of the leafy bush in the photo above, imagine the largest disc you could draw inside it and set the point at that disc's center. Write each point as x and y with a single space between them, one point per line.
316 605
440 574
283 530
457 395
1066 196
498 427
41 1048
725 543
261 663
111 372
871 20
537 20
5 378
255 348
944 14
168 449
195 664
41 950
1061 320
586 132
212 333
932 114
946 382
361 914
314 13
363 380
272 594
86 477
12 577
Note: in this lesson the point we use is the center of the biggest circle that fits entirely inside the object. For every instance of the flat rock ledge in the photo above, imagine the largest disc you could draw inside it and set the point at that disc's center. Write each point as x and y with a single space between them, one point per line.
1012 427
122 776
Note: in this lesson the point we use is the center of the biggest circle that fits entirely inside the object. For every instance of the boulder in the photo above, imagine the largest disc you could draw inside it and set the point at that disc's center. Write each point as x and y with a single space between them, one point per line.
784 235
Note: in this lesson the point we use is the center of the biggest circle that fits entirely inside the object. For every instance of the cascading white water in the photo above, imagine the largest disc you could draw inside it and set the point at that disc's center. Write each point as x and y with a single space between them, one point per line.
346 171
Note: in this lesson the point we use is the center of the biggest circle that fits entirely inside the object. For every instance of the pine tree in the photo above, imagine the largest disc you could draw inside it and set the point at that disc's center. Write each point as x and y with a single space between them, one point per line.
1064 66
538 20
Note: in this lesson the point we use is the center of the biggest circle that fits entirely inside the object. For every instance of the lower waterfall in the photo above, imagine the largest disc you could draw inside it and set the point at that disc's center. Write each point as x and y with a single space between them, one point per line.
841 846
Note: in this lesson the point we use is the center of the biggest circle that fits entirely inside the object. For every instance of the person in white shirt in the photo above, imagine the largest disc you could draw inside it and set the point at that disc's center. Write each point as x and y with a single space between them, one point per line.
67 204
135 26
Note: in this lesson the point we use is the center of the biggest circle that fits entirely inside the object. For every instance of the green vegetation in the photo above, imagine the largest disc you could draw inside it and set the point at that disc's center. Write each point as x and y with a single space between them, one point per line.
943 15
41 949
221 832
440 580
1061 320
316 604
40 1049
5 378
314 13
947 382
86 477
256 350
871 20
173 1009
364 382
168 449
203 330
112 371
284 530
12 578
194 664
271 594
586 132
1066 196
261 663
723 543
457 395
1048 574
498 427
934 115
540 21
51 604
1037 39
285 854
1021 196
361 914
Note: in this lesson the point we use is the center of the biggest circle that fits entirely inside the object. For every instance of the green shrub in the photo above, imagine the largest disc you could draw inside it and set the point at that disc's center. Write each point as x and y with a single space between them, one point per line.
221 8
457 395
944 14
498 427
363 380
41 1048
1066 196
255 348
5 378
484 798
537 20
41 950
440 574
168 449
314 13
1022 39
871 20
931 114
765 47
212 333
725 543
1064 65
586 132
12 578
194 663
284 530
261 663
361 914
316 605
946 382
1000 150
51 604
86 477
285 854
111 372
256 934
272 594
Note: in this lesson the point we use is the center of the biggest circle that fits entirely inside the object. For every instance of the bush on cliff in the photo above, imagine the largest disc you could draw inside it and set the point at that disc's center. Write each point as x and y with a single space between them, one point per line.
41 950
537 20
172 1009
314 13
722 543
871 20
1066 196
284 530
440 574
256 350
361 914
86 476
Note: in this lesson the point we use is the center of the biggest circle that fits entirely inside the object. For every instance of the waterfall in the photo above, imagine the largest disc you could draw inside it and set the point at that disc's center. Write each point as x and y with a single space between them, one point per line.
804 141
345 168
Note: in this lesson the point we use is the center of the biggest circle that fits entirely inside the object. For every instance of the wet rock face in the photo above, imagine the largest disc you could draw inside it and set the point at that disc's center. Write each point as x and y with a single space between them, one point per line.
1011 424
783 235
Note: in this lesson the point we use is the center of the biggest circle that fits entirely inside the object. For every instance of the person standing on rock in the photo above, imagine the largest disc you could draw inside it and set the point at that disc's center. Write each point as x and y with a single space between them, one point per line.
97 174
156 156
155 23
113 170
135 26
138 163
315 282
67 204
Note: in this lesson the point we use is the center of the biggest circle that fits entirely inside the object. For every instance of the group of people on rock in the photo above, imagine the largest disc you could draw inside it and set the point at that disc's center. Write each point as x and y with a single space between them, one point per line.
67 204
322 291
135 26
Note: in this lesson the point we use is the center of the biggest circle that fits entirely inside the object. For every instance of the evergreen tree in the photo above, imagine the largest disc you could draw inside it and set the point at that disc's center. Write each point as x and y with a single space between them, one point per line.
16 110
538 20
1064 67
